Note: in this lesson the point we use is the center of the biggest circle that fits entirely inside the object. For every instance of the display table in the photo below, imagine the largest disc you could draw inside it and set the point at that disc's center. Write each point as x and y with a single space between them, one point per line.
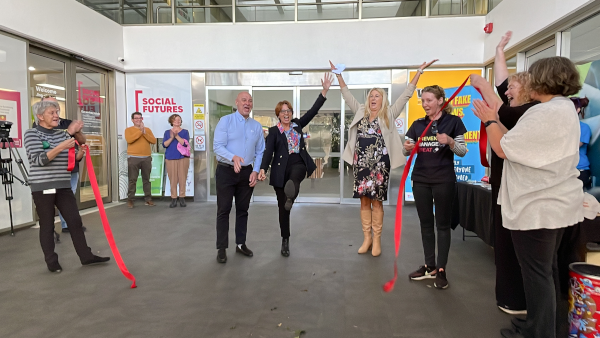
473 211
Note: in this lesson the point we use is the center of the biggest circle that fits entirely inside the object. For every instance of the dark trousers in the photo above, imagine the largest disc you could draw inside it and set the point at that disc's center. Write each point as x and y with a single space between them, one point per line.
295 170
586 177
229 185
443 194
65 201
536 251
509 281
134 165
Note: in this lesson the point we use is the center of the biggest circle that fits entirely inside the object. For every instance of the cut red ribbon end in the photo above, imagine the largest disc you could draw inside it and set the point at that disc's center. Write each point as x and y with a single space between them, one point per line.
105 224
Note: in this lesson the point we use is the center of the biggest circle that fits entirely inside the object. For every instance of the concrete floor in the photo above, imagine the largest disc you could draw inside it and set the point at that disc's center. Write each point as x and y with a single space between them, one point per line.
324 288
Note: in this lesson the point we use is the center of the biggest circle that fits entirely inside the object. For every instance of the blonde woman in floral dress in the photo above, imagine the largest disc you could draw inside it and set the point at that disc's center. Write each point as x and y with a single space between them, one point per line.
374 148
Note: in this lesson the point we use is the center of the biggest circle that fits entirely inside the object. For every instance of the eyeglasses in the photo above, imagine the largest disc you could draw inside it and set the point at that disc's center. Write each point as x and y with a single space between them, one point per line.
137 118
48 96
286 111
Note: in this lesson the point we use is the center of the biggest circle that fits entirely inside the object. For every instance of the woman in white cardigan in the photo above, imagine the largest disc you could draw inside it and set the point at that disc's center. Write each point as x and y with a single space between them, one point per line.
373 149
539 193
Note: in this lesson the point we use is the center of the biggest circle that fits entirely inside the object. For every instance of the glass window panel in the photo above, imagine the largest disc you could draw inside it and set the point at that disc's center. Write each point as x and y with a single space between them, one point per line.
265 102
445 7
91 101
204 14
323 144
264 13
47 77
327 12
387 9
546 53
494 3
134 16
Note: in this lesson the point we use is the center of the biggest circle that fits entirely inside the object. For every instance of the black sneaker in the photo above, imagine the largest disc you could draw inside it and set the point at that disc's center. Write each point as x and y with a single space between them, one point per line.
222 256
423 272
55 268
96 260
244 250
66 230
440 280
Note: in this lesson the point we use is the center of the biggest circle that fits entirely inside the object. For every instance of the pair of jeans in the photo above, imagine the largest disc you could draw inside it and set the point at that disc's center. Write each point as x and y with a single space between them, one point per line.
295 171
229 185
65 201
74 183
134 166
443 194
537 254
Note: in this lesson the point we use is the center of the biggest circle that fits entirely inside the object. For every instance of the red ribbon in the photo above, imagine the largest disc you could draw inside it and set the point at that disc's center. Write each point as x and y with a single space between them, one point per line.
389 286
71 164
105 224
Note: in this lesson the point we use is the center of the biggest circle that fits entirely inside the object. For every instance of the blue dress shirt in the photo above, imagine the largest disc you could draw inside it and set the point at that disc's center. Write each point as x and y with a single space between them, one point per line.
235 135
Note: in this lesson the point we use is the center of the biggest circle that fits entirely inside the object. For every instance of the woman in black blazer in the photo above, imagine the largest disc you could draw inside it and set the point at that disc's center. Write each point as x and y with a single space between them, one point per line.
291 163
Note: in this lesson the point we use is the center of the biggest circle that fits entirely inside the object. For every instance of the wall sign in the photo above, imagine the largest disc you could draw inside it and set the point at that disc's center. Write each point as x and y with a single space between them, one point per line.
199 143
10 110
158 96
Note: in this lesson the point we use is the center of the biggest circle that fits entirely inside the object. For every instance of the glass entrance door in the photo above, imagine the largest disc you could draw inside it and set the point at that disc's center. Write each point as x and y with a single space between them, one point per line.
360 94
322 137
90 103
220 102
265 101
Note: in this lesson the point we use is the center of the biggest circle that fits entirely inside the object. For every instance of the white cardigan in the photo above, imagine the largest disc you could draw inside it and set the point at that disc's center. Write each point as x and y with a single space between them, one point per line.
540 189
391 137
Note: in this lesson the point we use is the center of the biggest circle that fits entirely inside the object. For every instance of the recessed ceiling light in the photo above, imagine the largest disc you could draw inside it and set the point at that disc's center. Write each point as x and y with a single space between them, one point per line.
60 98
51 86
31 68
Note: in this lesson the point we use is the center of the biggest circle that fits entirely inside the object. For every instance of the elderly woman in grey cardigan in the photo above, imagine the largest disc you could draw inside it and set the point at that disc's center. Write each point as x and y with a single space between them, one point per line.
373 149
50 181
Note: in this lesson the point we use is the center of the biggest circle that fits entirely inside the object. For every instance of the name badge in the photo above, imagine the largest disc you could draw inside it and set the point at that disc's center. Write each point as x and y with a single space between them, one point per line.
49 191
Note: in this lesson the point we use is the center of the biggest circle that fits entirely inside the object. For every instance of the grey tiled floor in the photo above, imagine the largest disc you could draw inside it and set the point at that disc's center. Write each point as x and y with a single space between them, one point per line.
324 288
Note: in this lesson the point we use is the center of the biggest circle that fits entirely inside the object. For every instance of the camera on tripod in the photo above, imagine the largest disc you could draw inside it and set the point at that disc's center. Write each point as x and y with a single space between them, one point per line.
5 129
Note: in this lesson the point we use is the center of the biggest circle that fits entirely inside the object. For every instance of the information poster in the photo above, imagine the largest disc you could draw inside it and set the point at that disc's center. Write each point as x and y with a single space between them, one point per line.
199 120
467 168
156 177
10 110
189 182
200 143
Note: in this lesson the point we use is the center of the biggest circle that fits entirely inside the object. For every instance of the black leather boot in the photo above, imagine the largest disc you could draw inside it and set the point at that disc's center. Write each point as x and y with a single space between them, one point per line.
182 202
285 247
173 203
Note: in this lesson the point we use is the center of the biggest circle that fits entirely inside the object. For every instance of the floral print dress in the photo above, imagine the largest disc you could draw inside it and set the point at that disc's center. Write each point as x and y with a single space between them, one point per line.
371 161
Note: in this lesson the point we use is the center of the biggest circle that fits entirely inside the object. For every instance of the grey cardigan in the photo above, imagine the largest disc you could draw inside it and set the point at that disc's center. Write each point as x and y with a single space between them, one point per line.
391 137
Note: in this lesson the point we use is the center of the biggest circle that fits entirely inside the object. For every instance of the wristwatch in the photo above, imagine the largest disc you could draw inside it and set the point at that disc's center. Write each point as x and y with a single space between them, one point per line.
420 70
487 124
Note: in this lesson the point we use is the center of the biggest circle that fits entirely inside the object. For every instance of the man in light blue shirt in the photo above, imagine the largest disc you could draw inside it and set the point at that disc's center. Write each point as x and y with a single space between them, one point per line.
239 145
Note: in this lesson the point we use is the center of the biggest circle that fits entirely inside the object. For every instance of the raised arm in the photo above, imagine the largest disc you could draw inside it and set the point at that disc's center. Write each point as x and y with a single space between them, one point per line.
500 68
312 112
397 107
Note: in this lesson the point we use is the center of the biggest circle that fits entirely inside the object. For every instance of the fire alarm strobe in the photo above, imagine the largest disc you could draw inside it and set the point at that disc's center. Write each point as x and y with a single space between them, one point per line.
488 28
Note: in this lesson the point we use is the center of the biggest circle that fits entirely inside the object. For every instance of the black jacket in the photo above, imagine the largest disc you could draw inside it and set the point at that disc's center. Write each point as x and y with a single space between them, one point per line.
276 144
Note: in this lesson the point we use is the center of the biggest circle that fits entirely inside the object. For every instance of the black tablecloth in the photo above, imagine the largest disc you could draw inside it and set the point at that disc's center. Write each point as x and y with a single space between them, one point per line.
473 210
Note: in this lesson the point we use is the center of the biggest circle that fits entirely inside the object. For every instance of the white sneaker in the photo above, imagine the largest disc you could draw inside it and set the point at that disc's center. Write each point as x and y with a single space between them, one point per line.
36 226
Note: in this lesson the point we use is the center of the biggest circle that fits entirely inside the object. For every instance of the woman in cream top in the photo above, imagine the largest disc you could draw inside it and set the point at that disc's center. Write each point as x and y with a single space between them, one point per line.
539 193
373 149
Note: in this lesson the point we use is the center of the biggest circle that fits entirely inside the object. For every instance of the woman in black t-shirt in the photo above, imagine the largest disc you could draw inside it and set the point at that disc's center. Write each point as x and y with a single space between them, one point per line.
433 178
514 96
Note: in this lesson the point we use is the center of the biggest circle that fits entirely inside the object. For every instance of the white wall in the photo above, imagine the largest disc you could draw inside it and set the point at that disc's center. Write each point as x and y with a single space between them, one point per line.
66 25
307 45
526 19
